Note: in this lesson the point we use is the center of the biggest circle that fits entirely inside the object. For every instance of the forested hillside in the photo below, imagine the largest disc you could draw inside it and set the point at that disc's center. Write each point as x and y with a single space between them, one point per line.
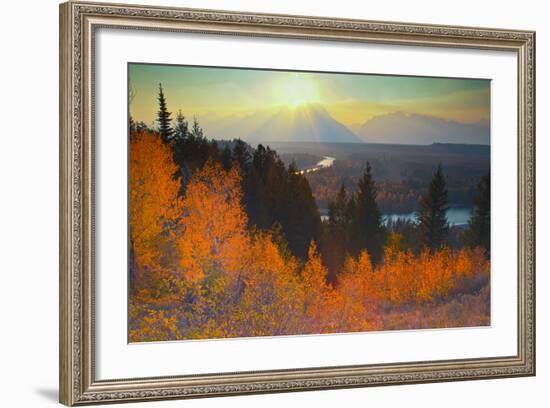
226 240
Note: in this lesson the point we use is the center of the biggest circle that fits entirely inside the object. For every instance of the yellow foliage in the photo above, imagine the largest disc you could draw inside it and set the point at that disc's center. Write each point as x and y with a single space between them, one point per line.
155 325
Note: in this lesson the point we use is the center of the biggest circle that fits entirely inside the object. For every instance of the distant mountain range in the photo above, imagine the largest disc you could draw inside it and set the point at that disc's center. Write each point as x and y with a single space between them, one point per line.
401 128
313 123
306 123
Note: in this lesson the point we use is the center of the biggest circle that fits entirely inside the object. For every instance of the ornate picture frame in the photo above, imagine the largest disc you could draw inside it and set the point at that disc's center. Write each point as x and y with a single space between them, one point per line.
79 22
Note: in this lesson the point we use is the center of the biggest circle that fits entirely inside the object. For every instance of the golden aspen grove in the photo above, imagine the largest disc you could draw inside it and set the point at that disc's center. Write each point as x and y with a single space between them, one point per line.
200 269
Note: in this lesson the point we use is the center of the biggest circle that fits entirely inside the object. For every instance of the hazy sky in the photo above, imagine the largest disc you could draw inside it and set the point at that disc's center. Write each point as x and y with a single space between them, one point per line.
352 99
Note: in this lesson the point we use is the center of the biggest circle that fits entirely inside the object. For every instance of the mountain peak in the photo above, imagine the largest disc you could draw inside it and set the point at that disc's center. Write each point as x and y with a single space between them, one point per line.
413 128
304 123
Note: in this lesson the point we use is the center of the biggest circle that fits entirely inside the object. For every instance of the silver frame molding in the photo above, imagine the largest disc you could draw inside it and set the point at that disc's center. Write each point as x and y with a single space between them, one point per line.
78 22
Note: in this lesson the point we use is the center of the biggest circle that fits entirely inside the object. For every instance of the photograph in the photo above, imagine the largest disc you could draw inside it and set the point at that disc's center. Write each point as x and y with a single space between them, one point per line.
271 200
266 202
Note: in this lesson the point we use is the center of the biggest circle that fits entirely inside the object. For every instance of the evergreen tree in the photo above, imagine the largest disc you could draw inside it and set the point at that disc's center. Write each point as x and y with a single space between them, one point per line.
196 130
265 185
131 125
163 117
433 227
182 128
261 199
337 209
226 158
351 211
137 127
193 151
241 154
214 150
479 227
367 228
273 193
335 236
278 237
301 213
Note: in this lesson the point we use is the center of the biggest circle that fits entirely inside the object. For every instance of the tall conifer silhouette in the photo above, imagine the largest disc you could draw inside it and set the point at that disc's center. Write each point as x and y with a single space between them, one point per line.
163 117
433 226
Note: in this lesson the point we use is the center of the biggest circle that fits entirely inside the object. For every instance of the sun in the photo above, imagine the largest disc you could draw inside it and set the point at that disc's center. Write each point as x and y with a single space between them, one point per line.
297 90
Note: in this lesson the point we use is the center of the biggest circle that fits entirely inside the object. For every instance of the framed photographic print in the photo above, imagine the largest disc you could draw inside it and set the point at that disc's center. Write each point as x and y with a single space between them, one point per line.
256 203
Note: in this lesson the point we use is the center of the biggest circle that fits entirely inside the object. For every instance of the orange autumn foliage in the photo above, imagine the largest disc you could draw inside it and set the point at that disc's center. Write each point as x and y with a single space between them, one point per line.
316 290
154 206
403 278
214 223
209 276
355 288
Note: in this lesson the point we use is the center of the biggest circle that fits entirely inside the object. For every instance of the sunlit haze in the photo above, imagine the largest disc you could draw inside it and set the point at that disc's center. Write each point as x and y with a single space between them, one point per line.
233 102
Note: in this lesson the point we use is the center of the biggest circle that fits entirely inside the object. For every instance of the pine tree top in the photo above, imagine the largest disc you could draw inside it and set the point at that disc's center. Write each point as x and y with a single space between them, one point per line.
163 117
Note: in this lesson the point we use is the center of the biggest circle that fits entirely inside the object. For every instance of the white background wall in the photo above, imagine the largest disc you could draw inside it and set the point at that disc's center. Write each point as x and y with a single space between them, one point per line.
29 185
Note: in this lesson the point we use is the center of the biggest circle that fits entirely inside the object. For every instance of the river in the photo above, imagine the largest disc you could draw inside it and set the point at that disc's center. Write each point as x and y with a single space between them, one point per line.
455 216
326 162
